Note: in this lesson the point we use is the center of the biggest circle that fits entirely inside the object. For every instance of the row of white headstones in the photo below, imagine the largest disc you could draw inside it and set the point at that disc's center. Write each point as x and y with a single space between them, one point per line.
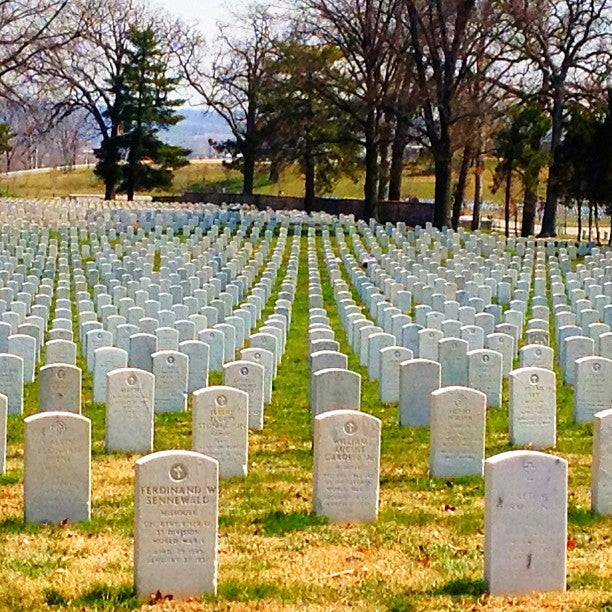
222 416
456 415
349 434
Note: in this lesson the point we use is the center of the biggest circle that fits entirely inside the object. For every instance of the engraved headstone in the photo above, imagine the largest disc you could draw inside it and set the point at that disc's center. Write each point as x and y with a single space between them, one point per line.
452 353
106 359
130 397
485 374
25 347
418 379
176 517
60 351
457 428
59 388
335 389
593 388
3 423
220 421
11 381
533 407
248 377
525 523
266 359
537 356
57 468
197 376
390 360
601 482
346 468
170 369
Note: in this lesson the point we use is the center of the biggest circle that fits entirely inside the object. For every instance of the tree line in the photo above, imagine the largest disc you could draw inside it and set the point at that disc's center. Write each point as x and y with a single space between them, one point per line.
339 87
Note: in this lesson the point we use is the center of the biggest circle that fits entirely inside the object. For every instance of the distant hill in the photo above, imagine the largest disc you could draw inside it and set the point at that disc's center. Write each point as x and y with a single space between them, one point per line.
194 131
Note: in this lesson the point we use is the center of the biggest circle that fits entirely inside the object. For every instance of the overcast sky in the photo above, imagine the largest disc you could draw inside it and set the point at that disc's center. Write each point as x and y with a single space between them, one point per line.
206 12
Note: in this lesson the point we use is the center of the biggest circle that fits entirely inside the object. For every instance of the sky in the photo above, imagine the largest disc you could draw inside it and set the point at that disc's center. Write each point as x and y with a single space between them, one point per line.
206 12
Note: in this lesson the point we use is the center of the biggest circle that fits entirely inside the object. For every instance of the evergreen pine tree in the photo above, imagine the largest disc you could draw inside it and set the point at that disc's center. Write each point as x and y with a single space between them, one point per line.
135 156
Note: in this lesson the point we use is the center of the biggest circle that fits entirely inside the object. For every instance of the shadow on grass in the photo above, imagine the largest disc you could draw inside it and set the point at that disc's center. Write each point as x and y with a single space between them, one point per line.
240 592
18 525
461 586
105 597
279 523
408 518
402 603
10 479
582 517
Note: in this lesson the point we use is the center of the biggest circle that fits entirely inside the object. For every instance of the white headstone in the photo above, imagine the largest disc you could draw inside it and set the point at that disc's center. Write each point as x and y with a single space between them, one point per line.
129 410
59 388
249 377
170 369
418 379
525 523
390 360
346 468
57 468
220 418
11 381
533 407
485 374
335 389
176 514
601 482
3 423
457 428
593 388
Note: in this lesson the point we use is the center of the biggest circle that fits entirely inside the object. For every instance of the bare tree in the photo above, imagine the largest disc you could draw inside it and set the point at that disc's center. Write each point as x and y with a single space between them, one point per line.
369 35
445 40
28 27
231 83
558 47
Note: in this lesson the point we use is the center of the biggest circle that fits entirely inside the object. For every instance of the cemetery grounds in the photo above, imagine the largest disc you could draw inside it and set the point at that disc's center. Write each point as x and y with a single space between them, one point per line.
424 552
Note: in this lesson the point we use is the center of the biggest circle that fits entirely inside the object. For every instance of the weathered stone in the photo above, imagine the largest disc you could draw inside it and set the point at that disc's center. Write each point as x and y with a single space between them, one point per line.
346 469
168 482
457 428
525 523
57 468
220 428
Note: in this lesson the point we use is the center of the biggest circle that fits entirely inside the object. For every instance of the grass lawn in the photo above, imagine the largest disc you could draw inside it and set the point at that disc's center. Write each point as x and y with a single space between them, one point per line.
213 177
425 552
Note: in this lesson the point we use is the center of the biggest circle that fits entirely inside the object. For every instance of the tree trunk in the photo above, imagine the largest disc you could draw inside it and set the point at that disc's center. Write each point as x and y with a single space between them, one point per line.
597 238
248 174
549 220
477 194
442 163
507 198
309 184
461 183
400 140
579 204
133 159
529 213
590 219
370 187
274 173
383 173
